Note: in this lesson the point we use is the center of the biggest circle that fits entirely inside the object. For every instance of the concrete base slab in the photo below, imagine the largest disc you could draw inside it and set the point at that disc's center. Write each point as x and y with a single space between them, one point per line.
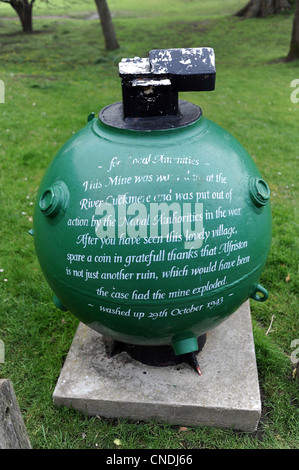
226 395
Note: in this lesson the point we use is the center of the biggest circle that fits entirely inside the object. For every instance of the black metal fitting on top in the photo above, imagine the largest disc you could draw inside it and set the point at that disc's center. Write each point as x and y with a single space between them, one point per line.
150 88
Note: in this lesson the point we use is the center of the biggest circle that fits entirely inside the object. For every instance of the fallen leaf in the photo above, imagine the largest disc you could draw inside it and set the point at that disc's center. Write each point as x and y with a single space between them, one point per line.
288 278
183 428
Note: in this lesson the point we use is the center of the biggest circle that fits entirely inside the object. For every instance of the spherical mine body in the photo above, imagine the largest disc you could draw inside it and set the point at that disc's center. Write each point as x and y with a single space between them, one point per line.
153 237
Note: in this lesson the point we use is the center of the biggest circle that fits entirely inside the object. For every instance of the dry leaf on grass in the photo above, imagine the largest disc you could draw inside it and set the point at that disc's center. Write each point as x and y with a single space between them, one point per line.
182 429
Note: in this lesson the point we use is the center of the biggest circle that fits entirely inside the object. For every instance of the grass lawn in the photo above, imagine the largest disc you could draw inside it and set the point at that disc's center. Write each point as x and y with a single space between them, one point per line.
53 80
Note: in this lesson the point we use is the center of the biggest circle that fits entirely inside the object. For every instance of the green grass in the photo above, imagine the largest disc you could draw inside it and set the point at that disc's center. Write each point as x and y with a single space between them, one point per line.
133 9
53 80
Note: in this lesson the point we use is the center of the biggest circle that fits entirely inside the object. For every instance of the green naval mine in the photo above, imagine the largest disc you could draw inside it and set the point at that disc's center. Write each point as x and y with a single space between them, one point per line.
152 224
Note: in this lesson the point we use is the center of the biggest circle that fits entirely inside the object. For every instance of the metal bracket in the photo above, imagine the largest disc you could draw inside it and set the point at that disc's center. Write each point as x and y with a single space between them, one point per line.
150 86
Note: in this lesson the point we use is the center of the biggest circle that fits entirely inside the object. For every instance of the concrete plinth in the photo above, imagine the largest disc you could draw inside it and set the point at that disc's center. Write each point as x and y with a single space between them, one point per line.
225 395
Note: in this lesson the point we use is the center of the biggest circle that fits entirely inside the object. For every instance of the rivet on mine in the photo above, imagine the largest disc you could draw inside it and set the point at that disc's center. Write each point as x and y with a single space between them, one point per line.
259 191
54 199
